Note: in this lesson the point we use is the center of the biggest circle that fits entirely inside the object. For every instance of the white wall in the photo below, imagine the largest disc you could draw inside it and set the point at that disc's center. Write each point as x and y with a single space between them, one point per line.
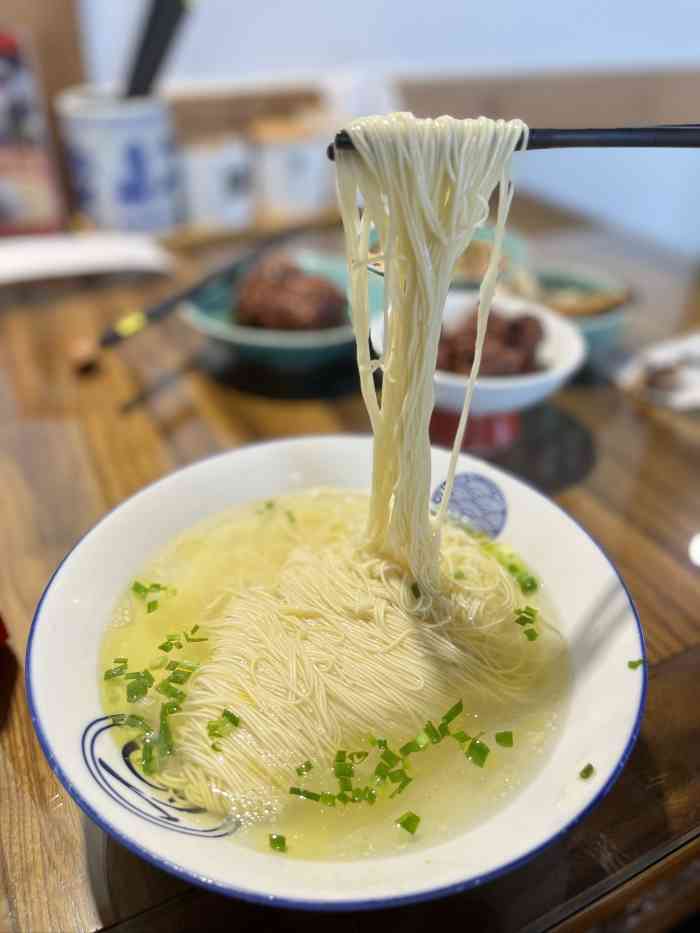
651 192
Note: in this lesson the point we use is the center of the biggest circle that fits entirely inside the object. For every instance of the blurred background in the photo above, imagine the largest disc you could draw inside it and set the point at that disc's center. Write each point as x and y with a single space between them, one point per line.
232 65
173 284
525 49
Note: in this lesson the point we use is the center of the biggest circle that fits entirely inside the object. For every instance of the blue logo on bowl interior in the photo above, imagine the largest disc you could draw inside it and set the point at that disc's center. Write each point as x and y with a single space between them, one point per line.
113 770
476 500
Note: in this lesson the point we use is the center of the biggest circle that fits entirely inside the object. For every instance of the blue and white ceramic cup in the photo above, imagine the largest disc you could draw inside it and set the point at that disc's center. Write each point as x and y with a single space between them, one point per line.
123 159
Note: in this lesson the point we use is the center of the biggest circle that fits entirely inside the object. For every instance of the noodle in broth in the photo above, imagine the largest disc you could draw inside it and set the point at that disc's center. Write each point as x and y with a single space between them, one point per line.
344 618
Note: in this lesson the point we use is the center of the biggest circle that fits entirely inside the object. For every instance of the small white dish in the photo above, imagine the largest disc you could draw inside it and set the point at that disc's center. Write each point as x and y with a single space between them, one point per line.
561 352
592 607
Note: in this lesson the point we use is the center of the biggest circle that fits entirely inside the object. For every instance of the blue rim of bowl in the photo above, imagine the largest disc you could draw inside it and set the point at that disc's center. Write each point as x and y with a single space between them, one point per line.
272 900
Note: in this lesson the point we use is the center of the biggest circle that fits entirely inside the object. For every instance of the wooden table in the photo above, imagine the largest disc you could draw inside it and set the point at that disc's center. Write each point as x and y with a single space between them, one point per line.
67 455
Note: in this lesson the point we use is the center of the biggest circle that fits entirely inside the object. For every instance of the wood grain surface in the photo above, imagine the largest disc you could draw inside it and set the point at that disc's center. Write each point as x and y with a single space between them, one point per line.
67 455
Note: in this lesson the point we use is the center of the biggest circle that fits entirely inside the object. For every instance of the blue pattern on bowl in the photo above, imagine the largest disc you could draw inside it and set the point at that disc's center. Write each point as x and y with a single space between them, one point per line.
476 500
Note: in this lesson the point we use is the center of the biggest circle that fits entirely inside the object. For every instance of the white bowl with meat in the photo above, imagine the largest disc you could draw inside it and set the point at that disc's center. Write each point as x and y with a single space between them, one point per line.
529 353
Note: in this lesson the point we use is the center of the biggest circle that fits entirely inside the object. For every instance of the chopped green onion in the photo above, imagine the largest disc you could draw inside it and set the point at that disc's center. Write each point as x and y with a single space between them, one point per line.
166 646
139 684
431 732
401 788
505 739
224 725
195 628
192 640
459 575
531 634
343 769
381 772
278 842
328 800
358 795
139 589
370 795
306 794
415 589
478 752
461 737
453 712
409 821
358 757
304 768
115 672
391 758
342 797
632 665
179 676
528 583
420 742
398 776
443 729
148 760
587 771
340 756
171 707
168 690
131 721
165 736
151 605
290 517
381 743
270 504
121 661
345 783
216 747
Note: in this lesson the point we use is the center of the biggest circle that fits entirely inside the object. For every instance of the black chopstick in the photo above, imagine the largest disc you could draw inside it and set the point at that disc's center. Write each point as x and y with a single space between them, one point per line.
671 136
161 25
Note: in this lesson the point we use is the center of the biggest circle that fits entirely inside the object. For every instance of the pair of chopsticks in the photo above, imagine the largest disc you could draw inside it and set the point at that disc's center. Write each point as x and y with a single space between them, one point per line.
671 136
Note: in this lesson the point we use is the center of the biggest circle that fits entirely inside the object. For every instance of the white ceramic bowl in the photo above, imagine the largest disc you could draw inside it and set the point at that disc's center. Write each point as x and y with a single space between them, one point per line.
561 352
594 611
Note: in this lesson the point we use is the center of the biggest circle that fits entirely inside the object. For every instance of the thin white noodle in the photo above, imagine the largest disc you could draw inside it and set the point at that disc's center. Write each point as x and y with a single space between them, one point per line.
343 643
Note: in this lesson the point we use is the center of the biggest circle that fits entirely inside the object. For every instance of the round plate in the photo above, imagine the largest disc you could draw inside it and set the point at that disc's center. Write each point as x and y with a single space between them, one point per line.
561 352
593 610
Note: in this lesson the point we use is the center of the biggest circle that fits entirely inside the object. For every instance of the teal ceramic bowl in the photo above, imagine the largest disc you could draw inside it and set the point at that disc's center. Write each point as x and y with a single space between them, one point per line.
602 332
213 313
